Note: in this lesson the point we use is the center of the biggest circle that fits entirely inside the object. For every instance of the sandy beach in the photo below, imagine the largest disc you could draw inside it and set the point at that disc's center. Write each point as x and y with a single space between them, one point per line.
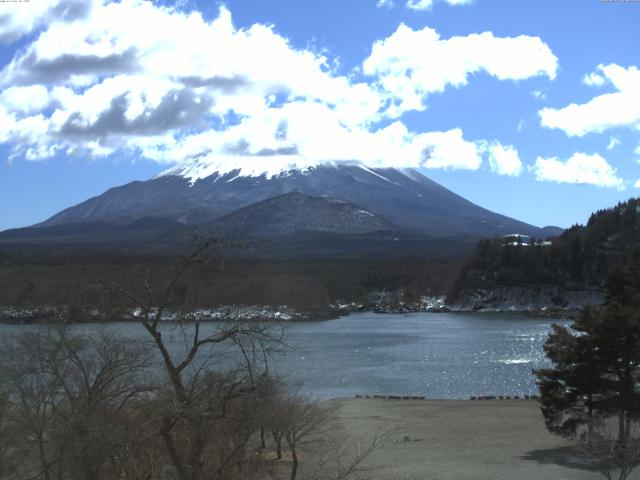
464 440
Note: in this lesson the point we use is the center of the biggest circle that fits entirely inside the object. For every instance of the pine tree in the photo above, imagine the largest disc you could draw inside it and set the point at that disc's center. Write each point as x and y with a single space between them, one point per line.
569 390
596 363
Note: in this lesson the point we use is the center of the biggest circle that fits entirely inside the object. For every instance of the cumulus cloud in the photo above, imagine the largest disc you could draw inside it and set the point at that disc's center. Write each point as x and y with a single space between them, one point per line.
427 4
176 109
504 160
285 136
32 69
107 82
169 85
25 100
449 150
20 18
411 64
579 168
604 112
593 79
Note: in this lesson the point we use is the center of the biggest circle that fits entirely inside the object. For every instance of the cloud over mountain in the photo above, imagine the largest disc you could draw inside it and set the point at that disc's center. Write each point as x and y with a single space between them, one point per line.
132 76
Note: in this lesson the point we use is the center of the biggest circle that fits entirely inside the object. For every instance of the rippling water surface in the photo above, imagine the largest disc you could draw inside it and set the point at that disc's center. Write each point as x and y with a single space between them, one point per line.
438 355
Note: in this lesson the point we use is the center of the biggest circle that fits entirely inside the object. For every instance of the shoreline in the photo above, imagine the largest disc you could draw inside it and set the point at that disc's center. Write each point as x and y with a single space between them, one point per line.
47 315
474 398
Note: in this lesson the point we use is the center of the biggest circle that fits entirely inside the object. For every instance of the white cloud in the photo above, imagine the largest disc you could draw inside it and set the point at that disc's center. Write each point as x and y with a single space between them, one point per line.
579 168
449 150
256 140
637 184
20 18
610 110
428 4
384 3
117 78
133 76
25 100
411 64
17 19
594 79
7 121
504 160
613 143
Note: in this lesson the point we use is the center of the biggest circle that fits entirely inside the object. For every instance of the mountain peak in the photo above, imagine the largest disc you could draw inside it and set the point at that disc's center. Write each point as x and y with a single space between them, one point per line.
269 166
207 187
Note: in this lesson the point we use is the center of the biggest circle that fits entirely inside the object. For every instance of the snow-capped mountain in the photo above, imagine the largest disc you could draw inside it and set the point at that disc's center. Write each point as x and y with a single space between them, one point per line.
204 166
204 189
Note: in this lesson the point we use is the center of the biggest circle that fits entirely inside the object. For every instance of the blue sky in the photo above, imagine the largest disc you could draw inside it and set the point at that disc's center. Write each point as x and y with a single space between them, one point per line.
528 108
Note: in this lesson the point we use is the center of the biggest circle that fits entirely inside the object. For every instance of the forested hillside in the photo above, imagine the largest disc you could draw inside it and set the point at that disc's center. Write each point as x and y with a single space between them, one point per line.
579 259
75 282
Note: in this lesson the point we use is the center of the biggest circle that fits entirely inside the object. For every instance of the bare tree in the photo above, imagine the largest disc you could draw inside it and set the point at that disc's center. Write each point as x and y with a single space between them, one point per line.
341 456
203 421
331 454
99 379
304 422
32 395
67 401
305 427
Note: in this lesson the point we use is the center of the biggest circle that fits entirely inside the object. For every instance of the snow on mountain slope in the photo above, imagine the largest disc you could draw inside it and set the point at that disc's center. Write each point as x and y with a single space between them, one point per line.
203 166
205 188
271 166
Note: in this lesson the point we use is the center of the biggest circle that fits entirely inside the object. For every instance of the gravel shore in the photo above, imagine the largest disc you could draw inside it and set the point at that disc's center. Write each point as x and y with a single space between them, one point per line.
464 440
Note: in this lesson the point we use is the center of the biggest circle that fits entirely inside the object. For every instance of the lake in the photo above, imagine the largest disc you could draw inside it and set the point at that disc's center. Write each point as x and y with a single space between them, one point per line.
436 355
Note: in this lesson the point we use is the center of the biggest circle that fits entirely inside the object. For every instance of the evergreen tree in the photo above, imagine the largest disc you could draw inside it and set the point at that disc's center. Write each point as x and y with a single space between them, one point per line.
596 363
569 389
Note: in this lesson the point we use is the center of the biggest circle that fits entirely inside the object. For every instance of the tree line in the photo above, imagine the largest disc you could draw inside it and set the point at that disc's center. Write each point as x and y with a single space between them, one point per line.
73 283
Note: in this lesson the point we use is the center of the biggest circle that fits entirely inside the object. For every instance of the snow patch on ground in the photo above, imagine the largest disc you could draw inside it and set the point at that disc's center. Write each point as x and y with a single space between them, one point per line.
281 313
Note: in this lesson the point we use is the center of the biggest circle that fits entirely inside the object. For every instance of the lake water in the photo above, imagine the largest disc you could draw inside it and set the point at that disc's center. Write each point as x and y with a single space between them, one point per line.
437 355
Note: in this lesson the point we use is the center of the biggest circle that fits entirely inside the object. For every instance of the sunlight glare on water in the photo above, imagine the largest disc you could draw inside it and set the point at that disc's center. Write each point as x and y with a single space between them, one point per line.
436 355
